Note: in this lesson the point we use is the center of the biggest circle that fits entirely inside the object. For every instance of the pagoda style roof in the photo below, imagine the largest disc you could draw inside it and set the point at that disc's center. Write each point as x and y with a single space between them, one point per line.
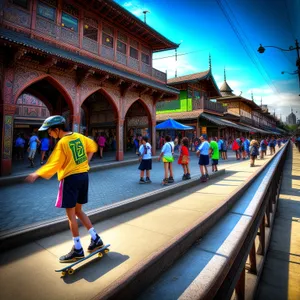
190 78
24 40
226 90
124 19
196 78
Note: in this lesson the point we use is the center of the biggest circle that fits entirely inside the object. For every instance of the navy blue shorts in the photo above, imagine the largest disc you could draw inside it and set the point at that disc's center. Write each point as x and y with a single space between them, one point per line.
214 162
72 190
146 164
204 160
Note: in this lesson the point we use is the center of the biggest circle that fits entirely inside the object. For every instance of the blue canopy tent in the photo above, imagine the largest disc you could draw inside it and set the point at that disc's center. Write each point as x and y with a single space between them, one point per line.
171 124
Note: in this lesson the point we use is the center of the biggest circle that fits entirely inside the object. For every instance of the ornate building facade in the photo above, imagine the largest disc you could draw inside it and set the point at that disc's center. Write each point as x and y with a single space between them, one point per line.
90 61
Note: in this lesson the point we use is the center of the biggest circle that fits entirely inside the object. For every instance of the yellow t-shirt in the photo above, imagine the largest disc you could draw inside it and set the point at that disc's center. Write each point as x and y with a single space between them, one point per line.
69 157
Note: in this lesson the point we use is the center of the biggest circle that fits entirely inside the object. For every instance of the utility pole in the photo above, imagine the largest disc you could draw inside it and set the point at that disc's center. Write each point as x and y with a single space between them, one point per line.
145 12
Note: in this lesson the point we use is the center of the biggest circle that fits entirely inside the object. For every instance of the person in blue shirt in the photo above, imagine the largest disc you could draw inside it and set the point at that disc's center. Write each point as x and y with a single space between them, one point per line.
272 144
19 144
45 143
263 148
247 147
33 144
203 153
220 146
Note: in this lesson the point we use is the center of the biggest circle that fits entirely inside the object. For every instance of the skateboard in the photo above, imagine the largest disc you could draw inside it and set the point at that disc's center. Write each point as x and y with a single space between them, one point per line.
69 270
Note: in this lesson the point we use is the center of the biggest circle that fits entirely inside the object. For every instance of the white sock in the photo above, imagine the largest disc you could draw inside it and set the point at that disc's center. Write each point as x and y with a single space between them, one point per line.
93 233
77 243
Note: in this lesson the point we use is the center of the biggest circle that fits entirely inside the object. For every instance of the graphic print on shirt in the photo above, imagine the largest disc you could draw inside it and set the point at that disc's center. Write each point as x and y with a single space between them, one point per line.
78 151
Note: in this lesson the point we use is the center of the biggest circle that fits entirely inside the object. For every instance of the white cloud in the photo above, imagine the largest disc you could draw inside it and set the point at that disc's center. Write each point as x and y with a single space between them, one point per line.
127 4
170 65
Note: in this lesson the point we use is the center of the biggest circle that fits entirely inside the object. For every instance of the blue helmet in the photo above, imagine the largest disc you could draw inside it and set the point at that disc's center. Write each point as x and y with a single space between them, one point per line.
52 121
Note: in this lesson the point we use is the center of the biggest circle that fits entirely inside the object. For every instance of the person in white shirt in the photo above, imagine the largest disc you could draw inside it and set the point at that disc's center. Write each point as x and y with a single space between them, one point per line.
203 153
145 152
166 154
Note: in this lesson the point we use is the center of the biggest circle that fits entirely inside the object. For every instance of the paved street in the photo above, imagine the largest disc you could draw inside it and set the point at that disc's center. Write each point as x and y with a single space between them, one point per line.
24 204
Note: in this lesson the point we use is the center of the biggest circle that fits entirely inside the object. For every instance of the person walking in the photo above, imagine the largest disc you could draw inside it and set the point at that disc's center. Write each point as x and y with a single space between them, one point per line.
33 144
167 157
45 143
236 148
70 160
214 153
272 145
145 158
247 147
19 144
253 152
184 158
101 143
136 144
203 154
224 149
263 148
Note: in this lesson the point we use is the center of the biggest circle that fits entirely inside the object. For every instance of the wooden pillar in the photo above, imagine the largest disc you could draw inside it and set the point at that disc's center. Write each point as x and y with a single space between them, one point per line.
76 117
153 137
120 138
240 287
261 248
252 258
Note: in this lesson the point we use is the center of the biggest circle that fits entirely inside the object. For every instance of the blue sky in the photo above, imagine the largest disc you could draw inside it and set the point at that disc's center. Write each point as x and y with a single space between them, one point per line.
231 32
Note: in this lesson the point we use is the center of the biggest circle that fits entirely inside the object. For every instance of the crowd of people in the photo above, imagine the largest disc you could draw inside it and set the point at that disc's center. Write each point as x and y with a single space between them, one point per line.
32 145
207 149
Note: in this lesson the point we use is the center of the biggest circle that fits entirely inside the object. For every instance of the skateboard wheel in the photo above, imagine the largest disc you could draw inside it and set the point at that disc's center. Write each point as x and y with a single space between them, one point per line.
71 271
100 254
63 273
106 250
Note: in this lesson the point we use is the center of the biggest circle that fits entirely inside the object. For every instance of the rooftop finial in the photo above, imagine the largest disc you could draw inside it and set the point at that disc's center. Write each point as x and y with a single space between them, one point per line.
252 96
260 101
224 74
209 62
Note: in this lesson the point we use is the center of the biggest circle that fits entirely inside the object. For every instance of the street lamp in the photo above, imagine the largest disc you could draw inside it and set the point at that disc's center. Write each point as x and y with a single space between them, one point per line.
262 49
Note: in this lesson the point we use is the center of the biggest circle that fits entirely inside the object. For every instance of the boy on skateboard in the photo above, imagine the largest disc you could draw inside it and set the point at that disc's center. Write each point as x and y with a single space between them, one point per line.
70 160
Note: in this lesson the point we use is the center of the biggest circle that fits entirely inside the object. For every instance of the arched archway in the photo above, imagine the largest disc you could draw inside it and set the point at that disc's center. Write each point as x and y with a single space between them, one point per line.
36 101
99 116
137 122
42 85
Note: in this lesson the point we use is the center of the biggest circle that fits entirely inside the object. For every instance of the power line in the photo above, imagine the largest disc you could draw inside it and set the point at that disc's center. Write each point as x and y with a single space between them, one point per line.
180 54
252 57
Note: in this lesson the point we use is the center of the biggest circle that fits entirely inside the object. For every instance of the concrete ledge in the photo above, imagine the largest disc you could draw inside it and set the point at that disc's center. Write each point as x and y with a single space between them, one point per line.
12 238
138 278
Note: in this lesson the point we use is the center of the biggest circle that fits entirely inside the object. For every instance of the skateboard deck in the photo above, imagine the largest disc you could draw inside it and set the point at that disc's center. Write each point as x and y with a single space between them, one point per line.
69 270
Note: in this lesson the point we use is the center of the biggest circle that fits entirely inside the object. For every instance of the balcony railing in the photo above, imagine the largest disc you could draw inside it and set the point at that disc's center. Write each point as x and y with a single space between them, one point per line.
246 120
22 18
213 106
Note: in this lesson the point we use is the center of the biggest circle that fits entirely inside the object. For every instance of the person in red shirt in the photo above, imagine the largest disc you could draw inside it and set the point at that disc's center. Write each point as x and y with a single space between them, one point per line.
184 158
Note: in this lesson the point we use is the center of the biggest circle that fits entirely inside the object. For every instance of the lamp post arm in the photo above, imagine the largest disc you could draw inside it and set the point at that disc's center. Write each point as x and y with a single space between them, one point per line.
280 48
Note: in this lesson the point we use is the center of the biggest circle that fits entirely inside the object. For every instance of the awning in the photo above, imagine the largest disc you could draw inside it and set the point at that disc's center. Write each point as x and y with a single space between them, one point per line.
172 124
225 123
257 130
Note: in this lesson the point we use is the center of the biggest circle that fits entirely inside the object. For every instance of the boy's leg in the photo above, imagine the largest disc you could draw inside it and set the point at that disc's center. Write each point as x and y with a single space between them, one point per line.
85 220
171 169
96 241
77 251
147 173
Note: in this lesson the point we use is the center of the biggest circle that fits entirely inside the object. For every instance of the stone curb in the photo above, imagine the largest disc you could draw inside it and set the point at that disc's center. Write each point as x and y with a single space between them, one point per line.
14 179
12 238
